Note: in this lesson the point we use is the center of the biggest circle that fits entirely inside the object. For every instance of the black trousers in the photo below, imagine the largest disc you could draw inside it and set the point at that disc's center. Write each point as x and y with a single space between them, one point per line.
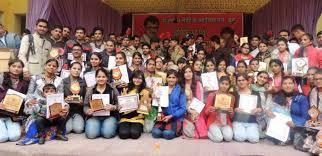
42 123
130 130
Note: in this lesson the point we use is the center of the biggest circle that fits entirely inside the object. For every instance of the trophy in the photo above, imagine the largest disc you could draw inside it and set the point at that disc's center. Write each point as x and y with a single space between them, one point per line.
300 65
160 115
116 74
145 101
75 89
54 53
314 114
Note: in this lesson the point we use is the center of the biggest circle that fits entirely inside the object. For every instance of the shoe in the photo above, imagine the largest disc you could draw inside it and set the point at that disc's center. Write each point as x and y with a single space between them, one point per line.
61 137
41 141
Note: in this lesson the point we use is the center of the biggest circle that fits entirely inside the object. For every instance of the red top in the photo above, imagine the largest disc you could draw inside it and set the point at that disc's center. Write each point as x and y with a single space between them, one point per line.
314 56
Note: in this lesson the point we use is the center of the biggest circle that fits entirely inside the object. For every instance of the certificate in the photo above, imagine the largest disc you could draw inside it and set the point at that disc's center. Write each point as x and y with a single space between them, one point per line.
5 54
299 66
161 96
119 73
153 82
128 102
210 81
90 79
277 127
247 102
129 61
55 104
64 73
13 100
106 100
262 66
222 101
111 63
197 105
243 40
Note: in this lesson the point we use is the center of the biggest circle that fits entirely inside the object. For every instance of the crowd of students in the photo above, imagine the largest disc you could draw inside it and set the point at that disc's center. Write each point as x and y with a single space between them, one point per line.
38 73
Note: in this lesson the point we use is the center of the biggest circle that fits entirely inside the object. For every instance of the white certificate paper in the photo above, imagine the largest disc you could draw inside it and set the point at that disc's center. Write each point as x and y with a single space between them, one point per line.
153 82
161 93
197 105
247 102
90 79
125 76
277 127
111 62
52 99
128 102
210 81
262 66
106 100
299 66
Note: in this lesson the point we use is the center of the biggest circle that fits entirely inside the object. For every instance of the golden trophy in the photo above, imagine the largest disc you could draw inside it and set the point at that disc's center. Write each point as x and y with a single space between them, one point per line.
75 89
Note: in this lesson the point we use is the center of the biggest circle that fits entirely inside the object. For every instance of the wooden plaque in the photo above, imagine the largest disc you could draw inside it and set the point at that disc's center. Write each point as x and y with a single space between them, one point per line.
222 101
96 105
12 103
55 109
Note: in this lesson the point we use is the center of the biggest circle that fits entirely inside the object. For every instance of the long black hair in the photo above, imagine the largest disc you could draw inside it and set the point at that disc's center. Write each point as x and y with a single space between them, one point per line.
7 77
140 75
183 80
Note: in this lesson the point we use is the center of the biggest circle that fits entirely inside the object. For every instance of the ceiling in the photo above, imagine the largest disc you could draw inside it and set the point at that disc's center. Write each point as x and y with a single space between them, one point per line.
182 6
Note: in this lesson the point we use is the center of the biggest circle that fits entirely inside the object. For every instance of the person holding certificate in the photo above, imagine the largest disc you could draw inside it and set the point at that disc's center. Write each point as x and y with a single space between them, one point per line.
219 112
296 104
120 59
132 122
150 70
171 124
104 126
95 62
136 62
309 51
194 124
74 93
248 105
10 125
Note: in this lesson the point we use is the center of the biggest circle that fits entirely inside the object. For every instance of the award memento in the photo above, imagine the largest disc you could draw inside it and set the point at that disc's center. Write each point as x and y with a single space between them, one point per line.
299 66
75 89
222 101
96 105
13 101
54 53
55 104
116 74
145 101
55 109
160 113
314 114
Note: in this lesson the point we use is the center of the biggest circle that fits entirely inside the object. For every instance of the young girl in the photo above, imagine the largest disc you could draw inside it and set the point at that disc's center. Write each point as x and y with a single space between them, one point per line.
131 123
221 68
210 66
197 69
137 62
277 68
194 125
95 62
201 55
308 83
241 67
10 125
121 60
75 118
219 121
101 125
307 50
171 124
245 126
264 54
283 54
244 55
159 68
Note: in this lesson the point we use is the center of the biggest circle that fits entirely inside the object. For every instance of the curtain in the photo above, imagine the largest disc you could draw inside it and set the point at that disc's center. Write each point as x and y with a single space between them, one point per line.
86 13
37 9
283 14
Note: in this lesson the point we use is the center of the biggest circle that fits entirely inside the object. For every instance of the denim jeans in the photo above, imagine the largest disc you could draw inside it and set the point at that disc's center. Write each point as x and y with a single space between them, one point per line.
9 130
101 126
218 134
246 131
75 123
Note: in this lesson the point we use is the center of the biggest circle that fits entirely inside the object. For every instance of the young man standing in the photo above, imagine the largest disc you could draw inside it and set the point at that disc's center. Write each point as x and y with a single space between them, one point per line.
98 44
80 34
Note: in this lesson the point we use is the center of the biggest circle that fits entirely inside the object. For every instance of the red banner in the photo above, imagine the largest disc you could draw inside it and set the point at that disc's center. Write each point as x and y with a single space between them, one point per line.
180 24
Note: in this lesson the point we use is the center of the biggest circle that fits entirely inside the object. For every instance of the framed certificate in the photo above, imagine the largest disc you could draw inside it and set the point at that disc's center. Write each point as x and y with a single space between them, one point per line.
197 105
128 102
111 63
210 81
222 101
13 100
5 54
96 105
90 79
299 66
243 40
55 104
119 73
106 100
247 102
161 96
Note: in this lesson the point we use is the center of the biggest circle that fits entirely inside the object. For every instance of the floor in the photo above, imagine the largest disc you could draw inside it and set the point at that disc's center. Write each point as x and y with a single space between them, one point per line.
78 145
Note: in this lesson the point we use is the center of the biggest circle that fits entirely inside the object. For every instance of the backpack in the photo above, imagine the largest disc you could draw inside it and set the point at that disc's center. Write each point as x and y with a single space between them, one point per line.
31 47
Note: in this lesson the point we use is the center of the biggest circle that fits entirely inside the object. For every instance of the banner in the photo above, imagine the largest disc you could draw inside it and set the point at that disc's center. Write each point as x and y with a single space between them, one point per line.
180 24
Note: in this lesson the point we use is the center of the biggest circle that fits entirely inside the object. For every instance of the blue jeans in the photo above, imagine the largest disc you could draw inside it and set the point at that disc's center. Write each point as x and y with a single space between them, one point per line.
75 123
218 134
9 130
167 134
246 131
101 126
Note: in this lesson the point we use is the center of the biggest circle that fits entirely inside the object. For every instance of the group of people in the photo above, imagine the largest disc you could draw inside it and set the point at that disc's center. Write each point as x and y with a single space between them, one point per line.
261 67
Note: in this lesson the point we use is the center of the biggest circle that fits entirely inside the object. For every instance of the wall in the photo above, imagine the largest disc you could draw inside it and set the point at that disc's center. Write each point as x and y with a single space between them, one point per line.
11 10
319 24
